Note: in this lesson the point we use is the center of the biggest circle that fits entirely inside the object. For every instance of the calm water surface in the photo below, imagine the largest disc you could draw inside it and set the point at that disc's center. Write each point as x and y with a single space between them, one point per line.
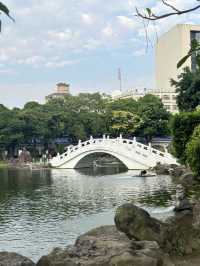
43 209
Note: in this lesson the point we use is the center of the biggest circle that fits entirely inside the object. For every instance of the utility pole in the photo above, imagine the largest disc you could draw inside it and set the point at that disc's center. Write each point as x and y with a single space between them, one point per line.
120 79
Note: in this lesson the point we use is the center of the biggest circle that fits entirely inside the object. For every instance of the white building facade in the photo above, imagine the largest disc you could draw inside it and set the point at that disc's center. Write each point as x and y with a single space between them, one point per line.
134 94
170 48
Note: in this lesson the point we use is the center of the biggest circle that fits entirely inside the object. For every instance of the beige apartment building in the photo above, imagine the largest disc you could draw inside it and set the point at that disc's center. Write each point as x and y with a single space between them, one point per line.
170 48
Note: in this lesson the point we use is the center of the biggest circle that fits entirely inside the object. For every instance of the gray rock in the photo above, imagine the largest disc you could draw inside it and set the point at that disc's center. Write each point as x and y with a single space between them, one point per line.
177 171
106 246
176 236
187 179
196 215
137 224
162 169
14 259
184 205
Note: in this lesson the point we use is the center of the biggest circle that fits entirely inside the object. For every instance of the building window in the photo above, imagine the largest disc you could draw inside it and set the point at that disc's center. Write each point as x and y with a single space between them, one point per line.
166 97
194 35
174 97
175 107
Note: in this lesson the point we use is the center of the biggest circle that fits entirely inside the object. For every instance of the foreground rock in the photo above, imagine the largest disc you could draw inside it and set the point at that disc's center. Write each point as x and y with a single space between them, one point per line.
180 235
137 224
13 259
106 246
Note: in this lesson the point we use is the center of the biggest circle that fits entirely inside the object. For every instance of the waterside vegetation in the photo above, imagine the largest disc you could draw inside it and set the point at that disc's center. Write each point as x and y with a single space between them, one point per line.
79 117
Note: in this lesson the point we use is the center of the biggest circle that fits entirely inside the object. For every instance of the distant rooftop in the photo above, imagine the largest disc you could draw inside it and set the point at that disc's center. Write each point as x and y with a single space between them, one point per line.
63 84
62 90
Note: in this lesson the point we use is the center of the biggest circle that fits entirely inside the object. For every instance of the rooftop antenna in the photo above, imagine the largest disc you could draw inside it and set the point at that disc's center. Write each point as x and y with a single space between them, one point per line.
120 79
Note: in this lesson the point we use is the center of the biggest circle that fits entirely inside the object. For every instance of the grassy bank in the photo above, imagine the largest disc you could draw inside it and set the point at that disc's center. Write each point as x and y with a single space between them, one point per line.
3 164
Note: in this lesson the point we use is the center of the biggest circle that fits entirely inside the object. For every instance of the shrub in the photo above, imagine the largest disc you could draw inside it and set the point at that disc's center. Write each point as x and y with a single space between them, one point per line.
193 151
182 126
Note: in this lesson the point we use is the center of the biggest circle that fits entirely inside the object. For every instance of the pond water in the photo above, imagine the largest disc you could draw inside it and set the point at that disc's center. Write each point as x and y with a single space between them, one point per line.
43 209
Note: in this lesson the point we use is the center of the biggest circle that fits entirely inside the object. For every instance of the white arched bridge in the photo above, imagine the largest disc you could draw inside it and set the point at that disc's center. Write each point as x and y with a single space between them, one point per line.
132 154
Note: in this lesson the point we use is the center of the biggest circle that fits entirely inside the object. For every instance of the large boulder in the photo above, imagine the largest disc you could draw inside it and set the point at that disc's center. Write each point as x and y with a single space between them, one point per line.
106 246
176 236
187 179
177 171
137 224
184 205
196 215
14 259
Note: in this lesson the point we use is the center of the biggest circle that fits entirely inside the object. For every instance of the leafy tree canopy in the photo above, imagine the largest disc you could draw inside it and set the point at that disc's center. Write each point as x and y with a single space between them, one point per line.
125 122
193 151
182 126
188 90
154 116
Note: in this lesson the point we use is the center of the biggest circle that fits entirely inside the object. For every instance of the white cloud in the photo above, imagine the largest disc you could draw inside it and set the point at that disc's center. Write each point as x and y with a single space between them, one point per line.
61 64
51 34
64 35
88 19
33 60
139 52
127 22
108 31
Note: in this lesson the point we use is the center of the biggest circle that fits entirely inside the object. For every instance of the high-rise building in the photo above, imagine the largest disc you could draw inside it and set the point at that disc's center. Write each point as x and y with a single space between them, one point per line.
170 48
62 90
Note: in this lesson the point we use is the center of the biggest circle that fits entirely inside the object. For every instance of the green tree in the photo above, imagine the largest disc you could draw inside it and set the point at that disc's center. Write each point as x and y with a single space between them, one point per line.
193 151
187 88
154 116
129 105
124 122
182 127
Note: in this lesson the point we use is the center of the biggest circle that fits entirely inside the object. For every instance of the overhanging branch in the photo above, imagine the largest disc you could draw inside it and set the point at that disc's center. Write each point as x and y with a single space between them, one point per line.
149 15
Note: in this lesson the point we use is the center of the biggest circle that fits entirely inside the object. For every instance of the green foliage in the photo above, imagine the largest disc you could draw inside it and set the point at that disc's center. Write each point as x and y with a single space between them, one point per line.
193 151
182 126
79 117
124 122
187 87
128 105
155 118
195 49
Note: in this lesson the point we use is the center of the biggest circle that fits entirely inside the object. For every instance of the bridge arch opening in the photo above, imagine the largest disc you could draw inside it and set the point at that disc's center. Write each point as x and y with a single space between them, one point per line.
101 160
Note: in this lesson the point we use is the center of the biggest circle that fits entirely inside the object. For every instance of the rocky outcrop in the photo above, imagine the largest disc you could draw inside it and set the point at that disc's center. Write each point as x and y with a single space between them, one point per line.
106 246
137 224
177 236
137 239
177 171
162 169
187 179
181 174
13 259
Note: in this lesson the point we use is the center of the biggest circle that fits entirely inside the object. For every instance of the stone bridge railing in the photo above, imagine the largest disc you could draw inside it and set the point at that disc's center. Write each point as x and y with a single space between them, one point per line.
141 148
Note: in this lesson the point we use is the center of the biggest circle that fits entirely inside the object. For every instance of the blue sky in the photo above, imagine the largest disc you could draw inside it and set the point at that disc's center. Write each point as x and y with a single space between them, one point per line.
81 42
